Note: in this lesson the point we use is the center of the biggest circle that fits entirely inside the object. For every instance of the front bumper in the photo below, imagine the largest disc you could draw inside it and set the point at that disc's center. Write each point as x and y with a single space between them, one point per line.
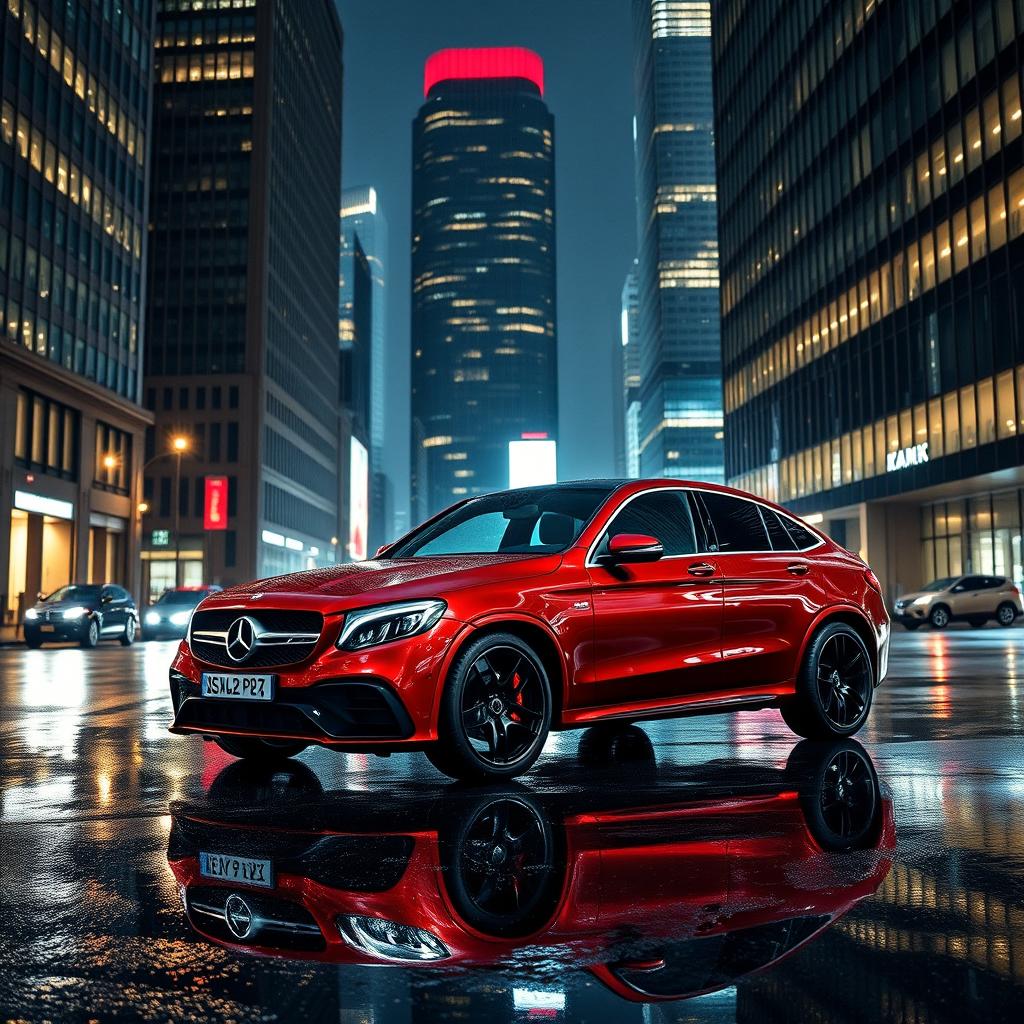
62 629
383 696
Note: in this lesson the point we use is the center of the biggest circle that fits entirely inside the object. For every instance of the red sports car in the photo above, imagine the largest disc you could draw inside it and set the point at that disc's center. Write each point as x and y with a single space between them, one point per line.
513 614
674 886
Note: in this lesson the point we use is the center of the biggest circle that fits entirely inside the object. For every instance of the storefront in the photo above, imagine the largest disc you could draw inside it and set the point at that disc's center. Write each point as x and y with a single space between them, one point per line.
41 553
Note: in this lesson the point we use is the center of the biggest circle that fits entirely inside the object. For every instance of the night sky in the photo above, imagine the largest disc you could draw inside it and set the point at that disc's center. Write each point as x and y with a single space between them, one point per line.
587 53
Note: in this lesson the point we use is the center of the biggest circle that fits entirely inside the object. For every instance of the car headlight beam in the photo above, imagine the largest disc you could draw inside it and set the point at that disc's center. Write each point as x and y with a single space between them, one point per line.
152 618
75 613
390 940
180 618
31 614
385 623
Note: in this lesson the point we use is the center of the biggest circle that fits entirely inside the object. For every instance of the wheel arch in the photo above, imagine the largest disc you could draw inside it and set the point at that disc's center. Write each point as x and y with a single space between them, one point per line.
531 631
856 620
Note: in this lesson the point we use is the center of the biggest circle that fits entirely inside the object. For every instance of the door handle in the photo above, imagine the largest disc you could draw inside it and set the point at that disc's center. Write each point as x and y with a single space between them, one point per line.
701 569
798 568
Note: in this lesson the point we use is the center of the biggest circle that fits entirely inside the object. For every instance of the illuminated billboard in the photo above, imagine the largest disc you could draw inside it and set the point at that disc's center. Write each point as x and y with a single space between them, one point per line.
215 503
532 461
358 501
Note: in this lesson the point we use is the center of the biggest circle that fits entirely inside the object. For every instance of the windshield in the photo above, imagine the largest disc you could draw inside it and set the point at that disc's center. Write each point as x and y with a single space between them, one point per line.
75 592
943 584
182 598
532 521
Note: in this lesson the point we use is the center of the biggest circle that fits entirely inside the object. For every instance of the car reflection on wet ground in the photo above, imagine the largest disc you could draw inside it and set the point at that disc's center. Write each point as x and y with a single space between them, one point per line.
710 869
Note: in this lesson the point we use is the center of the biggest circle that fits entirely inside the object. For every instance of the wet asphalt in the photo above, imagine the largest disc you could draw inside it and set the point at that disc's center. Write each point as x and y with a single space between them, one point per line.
674 872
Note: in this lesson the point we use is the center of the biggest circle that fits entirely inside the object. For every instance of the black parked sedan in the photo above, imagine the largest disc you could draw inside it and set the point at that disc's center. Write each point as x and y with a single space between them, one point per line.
168 616
86 612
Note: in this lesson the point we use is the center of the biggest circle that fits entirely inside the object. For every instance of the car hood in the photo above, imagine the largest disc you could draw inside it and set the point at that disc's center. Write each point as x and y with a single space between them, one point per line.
907 598
390 579
59 606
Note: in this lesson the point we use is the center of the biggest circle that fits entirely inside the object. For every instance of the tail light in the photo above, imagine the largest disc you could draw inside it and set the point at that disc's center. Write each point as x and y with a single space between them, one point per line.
873 581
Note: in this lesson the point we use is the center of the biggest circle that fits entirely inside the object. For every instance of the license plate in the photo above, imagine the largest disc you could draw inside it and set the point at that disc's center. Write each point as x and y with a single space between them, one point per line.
238 687
244 870
47 629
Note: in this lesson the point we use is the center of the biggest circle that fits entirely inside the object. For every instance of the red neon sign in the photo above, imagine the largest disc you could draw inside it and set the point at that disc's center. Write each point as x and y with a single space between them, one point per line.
488 62
215 507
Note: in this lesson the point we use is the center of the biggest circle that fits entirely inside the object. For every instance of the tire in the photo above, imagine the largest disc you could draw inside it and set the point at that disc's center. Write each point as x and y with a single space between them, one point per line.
91 636
1006 614
939 617
503 864
978 621
128 638
251 748
839 793
834 687
33 641
495 711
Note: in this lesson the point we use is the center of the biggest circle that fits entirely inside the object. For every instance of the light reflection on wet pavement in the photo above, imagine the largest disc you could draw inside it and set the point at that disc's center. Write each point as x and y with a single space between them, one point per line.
625 871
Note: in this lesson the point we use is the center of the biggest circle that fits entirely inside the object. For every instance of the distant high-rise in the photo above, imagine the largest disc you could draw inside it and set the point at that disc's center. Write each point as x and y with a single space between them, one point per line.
871 168
243 292
484 346
74 156
362 218
631 373
680 411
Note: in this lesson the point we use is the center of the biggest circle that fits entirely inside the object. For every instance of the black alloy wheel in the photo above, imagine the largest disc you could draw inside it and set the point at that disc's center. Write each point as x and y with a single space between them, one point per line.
495 711
835 685
503 867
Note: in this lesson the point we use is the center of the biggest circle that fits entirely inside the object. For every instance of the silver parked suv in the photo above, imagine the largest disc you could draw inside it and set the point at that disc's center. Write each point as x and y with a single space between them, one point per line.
974 599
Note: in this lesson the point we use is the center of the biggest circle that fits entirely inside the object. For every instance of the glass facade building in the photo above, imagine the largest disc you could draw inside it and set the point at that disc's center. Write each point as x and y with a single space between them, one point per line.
74 156
484 343
871 186
680 410
243 290
630 328
362 218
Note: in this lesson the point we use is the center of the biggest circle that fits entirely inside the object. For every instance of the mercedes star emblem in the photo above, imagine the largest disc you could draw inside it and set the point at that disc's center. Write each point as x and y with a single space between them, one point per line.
241 638
238 916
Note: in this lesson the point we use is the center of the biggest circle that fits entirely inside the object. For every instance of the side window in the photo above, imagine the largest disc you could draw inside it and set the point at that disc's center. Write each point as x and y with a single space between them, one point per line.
121 594
662 514
737 522
802 537
107 594
777 532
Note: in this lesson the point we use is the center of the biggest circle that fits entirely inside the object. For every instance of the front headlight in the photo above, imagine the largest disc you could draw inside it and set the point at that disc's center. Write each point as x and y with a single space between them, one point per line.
31 614
180 618
390 940
152 618
75 613
388 622
922 600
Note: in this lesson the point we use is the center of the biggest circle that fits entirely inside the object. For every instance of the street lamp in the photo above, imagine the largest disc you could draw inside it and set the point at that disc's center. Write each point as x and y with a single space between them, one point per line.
181 444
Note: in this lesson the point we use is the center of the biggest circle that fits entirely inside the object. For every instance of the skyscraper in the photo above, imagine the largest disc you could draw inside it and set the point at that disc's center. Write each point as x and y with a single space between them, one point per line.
362 218
484 343
355 341
74 154
243 293
871 177
680 412
631 373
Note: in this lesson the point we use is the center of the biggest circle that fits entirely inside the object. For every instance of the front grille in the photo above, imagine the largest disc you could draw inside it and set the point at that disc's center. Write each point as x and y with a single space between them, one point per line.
289 646
276 923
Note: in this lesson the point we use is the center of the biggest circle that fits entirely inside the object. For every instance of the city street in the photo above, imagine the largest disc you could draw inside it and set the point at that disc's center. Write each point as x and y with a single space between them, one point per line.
650 853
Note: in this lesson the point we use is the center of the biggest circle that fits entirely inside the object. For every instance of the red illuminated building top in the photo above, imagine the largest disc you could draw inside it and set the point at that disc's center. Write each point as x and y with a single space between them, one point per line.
489 62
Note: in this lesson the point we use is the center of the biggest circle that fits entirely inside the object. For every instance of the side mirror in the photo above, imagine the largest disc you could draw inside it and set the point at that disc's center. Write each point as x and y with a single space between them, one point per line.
626 548
106 598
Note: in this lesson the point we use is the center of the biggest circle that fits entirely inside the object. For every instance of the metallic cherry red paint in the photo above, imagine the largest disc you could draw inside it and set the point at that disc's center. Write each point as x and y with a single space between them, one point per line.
707 632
